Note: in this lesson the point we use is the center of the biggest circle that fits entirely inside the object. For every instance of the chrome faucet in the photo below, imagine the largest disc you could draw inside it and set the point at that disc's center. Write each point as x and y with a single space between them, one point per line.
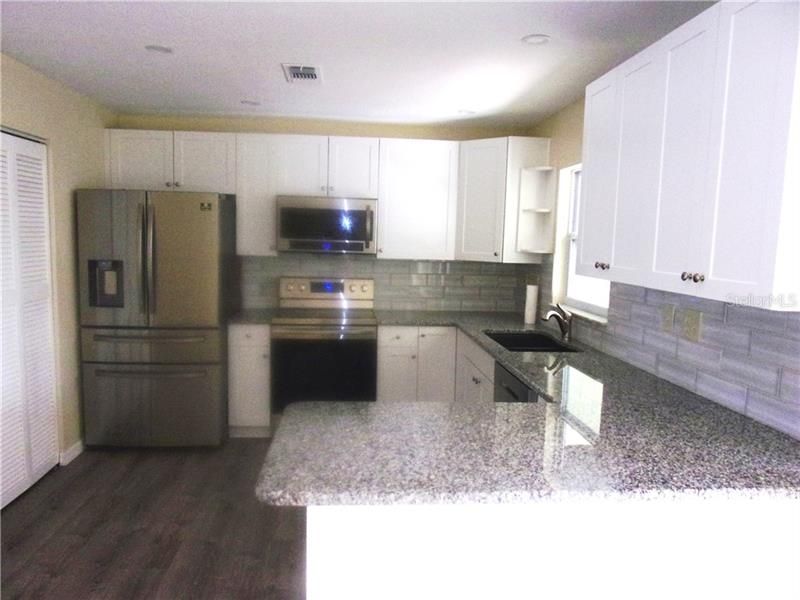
563 318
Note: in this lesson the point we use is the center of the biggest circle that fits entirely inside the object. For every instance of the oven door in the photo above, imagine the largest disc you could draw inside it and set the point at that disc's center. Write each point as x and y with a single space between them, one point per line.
313 363
321 224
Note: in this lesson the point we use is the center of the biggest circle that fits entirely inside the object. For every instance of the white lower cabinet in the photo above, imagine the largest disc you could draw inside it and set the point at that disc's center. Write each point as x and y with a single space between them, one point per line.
416 364
474 372
248 380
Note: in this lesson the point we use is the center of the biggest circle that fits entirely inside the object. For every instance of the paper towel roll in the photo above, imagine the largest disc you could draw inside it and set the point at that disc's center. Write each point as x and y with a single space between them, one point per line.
531 301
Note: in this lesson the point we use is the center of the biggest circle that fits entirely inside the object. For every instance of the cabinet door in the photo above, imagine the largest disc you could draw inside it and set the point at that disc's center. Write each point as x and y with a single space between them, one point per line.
397 374
418 187
248 386
755 72
437 364
298 165
641 102
139 160
353 167
256 220
690 56
205 162
481 199
599 176
473 386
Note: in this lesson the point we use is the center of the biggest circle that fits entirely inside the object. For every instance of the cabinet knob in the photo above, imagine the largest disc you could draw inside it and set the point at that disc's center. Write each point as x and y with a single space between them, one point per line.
168 184
495 253
248 335
380 250
698 277
264 356
685 276
596 264
397 337
413 356
330 189
177 184
476 381
322 188
606 266
421 335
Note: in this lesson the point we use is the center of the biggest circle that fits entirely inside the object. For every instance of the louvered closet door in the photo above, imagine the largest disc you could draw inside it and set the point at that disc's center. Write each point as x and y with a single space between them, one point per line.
29 442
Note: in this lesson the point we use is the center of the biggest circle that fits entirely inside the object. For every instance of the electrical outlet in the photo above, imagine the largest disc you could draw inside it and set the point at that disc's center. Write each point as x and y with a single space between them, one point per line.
667 317
690 324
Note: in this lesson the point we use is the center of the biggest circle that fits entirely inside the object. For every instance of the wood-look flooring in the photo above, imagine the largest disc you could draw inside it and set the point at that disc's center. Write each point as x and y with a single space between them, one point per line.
168 524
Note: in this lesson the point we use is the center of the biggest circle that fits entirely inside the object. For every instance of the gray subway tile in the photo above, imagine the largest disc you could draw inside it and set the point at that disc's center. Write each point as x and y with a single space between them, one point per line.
477 304
719 333
497 292
677 372
419 279
638 356
777 349
665 343
790 386
707 307
755 318
429 291
442 304
779 415
629 292
731 395
740 367
626 332
408 305
645 315
462 292
430 267
465 267
619 309
480 280
699 355
507 281
660 297
401 280
793 325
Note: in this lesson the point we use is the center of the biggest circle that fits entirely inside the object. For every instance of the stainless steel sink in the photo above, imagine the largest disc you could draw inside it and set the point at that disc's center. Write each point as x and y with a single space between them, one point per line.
528 341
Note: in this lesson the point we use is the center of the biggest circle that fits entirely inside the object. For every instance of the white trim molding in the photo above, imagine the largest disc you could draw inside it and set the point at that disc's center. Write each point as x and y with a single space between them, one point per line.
67 456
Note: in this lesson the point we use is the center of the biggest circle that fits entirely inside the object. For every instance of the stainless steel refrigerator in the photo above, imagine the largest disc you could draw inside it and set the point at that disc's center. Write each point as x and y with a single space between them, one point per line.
157 282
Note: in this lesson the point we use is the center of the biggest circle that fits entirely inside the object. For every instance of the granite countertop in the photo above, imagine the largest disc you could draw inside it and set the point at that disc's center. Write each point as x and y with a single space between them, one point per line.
601 426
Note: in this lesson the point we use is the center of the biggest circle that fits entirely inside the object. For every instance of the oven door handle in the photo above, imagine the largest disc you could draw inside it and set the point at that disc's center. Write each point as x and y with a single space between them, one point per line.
290 332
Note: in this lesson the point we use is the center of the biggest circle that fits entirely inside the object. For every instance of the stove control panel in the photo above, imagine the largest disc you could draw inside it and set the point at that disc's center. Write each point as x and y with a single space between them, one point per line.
321 288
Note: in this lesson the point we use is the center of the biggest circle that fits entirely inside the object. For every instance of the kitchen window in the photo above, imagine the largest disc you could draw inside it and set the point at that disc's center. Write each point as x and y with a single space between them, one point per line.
586 294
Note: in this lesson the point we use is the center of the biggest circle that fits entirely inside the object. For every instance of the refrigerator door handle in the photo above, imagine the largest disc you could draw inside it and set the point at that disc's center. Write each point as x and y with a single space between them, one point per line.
143 255
148 339
151 261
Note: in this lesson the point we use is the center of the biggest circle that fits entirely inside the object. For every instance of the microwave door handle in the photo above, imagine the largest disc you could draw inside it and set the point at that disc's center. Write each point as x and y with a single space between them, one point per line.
368 227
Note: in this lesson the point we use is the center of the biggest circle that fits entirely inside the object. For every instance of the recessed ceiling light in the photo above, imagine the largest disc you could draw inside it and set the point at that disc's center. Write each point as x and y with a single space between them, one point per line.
158 49
251 102
465 112
535 39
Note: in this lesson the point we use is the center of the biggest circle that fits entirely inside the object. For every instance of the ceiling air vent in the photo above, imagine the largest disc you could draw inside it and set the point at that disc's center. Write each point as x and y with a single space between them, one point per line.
298 73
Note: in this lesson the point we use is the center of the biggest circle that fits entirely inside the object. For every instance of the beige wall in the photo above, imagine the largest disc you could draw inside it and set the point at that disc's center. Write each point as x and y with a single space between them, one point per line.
73 127
565 128
459 131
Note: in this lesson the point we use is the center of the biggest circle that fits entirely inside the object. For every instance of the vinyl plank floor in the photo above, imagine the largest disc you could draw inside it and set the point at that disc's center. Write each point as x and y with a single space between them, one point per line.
134 524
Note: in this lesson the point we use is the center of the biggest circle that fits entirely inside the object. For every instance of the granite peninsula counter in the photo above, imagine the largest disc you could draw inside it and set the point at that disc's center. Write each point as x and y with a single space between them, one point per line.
600 426
615 483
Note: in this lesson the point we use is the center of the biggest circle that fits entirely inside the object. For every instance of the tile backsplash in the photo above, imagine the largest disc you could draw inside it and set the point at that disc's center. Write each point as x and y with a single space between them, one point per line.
399 284
745 358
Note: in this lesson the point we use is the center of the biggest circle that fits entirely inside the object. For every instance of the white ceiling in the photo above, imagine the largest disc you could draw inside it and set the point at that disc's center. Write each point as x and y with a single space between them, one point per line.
388 62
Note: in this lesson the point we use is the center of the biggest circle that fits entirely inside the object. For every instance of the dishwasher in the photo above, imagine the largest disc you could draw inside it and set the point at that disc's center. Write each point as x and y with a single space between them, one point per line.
509 388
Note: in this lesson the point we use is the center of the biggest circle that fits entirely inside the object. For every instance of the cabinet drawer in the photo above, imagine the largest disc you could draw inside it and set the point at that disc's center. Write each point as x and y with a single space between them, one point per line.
476 355
397 337
248 335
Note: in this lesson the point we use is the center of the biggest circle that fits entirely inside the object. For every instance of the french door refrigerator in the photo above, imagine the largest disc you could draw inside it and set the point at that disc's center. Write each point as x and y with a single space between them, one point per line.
156 278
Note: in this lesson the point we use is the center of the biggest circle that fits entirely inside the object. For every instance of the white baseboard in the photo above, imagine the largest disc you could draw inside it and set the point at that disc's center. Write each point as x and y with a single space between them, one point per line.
249 432
67 456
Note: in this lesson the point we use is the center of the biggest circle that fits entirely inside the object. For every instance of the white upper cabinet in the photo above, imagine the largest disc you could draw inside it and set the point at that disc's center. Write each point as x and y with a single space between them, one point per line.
703 194
298 164
599 176
205 162
353 167
640 96
417 199
689 54
166 160
751 243
481 199
489 198
255 196
139 159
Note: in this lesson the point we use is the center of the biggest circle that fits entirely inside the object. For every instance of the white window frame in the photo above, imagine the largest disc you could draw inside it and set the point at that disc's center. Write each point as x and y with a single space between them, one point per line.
569 181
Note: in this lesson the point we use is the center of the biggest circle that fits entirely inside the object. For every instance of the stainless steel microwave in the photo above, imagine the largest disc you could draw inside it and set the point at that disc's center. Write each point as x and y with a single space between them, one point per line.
323 224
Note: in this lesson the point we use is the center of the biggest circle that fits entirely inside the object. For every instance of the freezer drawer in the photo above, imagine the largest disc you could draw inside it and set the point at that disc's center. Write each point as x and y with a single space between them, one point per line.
162 346
153 405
